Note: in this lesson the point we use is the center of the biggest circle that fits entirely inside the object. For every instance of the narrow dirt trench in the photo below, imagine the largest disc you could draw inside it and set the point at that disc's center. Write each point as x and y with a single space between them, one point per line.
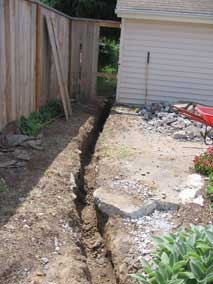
98 259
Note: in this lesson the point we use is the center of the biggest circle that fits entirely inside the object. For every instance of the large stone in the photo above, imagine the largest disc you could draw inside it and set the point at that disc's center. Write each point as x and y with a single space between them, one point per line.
111 203
189 191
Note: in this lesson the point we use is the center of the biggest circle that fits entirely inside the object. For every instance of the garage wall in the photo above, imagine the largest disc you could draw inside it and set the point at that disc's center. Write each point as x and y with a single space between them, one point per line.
181 62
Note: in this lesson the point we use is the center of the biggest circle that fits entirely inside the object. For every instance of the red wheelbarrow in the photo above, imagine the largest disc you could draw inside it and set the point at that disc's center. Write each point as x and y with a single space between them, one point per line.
201 114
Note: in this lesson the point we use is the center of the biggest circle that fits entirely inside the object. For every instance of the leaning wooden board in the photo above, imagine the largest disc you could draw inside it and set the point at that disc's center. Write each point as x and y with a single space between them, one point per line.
58 64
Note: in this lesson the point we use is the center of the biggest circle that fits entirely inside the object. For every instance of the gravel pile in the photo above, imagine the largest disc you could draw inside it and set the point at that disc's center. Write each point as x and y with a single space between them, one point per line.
143 229
132 188
160 117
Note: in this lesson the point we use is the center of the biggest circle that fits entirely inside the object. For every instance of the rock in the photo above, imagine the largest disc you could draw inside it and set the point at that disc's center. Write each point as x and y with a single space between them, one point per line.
193 131
163 119
179 124
199 200
11 128
190 189
8 164
44 260
195 180
169 119
14 140
21 155
180 135
164 195
35 144
97 244
114 203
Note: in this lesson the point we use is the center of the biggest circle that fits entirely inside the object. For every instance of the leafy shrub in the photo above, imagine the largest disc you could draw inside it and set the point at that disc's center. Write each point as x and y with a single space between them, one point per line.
185 257
33 125
204 163
109 53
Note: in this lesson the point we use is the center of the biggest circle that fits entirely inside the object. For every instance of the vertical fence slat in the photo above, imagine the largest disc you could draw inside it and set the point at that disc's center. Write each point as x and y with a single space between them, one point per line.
75 57
28 76
3 118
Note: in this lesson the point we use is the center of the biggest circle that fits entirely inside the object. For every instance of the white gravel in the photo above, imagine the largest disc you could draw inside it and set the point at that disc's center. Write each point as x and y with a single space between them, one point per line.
143 229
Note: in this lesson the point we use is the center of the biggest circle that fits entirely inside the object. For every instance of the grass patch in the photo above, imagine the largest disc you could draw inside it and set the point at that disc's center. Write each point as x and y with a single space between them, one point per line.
120 152
36 121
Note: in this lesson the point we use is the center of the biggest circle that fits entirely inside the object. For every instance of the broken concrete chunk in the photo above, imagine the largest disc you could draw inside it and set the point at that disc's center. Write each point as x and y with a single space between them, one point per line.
162 118
114 203
190 189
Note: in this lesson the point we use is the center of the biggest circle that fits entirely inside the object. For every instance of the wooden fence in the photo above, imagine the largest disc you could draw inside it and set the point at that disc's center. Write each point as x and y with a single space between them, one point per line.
28 77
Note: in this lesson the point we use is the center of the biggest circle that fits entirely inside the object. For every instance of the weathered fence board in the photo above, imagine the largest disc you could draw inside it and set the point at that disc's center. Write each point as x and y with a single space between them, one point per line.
28 77
3 114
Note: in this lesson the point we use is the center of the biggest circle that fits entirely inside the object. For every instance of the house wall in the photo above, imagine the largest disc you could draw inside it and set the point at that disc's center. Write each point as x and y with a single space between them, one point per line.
181 62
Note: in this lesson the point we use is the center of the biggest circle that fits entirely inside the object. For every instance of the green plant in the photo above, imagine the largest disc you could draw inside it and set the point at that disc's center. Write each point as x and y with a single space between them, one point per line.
3 186
204 163
185 257
210 187
108 57
33 125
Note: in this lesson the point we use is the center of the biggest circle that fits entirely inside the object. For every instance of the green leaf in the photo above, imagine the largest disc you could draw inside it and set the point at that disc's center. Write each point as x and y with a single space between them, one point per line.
209 235
192 240
209 278
160 278
146 267
173 258
165 258
202 246
140 278
197 269
186 275
209 270
177 267
177 281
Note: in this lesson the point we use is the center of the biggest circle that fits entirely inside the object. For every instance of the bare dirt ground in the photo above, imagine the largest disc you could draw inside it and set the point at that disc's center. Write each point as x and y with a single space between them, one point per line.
131 161
51 231
41 229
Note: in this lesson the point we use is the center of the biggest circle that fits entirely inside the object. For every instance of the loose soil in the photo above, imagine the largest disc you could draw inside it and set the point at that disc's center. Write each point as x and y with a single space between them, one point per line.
42 227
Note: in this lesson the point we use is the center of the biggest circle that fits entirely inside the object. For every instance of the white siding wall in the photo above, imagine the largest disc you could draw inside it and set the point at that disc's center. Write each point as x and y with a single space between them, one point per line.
181 62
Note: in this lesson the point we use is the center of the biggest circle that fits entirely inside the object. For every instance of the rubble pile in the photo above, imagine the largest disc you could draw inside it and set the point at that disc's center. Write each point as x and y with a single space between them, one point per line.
162 118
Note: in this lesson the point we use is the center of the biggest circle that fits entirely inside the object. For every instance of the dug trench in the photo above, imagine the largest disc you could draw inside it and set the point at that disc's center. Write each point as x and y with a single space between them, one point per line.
49 229
93 245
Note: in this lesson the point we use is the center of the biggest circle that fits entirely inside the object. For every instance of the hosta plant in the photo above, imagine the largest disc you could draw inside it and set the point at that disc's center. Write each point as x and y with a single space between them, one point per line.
183 257
204 163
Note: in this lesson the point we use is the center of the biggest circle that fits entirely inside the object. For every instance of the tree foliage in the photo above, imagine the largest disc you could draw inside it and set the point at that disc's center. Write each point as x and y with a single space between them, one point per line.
97 9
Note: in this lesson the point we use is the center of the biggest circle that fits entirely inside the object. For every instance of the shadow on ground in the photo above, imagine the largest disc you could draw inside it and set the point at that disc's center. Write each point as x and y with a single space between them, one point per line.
20 181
